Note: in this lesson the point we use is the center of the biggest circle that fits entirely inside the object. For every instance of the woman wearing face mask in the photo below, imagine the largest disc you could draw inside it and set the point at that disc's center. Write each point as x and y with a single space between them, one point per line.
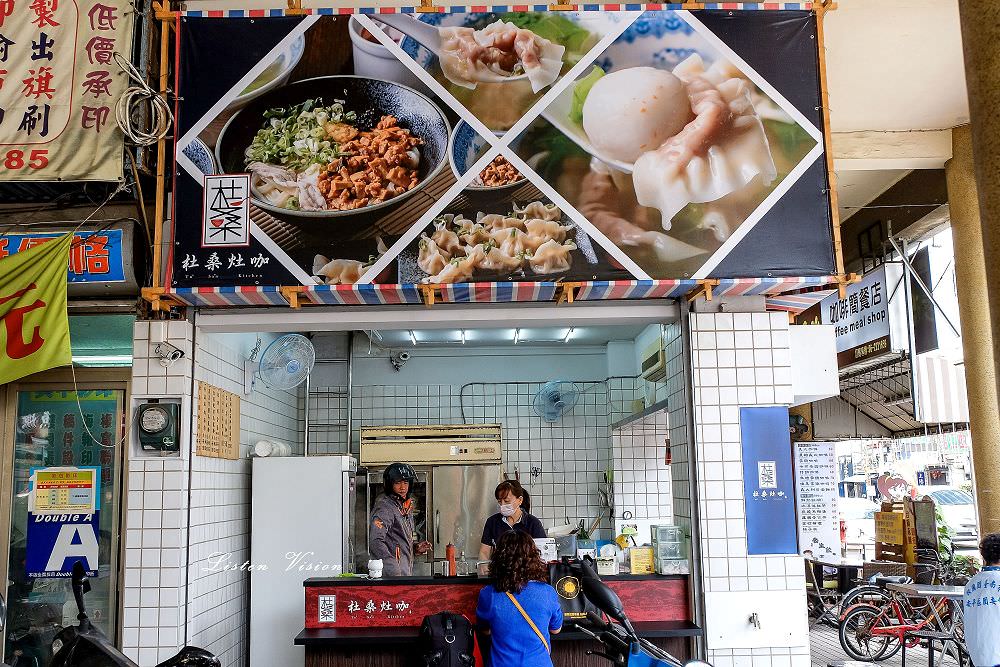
513 515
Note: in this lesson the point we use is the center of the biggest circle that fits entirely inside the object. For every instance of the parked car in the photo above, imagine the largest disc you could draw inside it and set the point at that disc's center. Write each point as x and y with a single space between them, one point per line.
959 512
858 514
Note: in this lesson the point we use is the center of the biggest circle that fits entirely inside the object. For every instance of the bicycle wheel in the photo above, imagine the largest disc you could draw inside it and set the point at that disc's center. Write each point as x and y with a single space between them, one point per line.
856 636
869 594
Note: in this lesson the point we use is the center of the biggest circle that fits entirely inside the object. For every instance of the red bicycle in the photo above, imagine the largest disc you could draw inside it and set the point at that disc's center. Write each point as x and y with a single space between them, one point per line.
872 633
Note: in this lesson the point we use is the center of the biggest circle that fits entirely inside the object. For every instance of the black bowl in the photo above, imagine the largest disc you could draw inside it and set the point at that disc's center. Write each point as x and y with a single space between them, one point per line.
415 112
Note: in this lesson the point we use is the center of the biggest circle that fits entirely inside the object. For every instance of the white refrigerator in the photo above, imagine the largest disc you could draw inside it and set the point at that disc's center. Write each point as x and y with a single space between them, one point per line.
301 511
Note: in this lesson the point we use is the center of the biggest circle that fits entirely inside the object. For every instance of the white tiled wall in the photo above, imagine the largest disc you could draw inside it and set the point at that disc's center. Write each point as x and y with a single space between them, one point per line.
739 359
642 482
156 517
561 464
183 513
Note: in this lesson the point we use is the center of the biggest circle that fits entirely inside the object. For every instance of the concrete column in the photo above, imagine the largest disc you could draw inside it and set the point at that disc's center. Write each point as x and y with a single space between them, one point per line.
980 21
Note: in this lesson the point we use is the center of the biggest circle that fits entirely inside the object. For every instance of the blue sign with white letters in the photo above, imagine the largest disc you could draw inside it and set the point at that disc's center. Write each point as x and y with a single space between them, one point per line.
768 487
57 541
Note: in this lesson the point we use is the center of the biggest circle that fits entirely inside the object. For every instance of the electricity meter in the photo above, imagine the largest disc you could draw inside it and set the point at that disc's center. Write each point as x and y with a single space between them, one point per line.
159 424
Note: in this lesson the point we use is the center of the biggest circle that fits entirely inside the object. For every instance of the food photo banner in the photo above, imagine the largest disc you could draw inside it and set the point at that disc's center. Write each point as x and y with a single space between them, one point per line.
493 147
59 84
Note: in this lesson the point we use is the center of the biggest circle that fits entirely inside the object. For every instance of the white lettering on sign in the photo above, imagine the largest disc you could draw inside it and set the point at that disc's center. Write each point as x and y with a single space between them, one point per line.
74 541
862 315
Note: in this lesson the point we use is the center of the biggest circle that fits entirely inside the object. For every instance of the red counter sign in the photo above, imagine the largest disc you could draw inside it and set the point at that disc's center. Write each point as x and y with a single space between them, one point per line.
59 84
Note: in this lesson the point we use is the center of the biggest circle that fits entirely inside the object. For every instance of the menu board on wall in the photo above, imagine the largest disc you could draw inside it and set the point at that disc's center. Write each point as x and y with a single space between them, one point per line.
59 84
816 498
218 433
539 146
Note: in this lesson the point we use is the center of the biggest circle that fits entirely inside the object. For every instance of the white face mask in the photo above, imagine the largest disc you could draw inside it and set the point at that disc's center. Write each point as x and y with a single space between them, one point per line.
507 510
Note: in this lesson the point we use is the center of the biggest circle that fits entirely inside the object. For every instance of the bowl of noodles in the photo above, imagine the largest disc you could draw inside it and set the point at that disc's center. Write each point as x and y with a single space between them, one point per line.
333 155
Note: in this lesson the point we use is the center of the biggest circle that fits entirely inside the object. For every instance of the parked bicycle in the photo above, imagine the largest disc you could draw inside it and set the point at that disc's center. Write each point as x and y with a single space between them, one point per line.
932 570
876 632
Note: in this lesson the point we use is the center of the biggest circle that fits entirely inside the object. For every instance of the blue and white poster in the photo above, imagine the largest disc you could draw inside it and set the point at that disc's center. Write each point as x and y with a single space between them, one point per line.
768 486
57 541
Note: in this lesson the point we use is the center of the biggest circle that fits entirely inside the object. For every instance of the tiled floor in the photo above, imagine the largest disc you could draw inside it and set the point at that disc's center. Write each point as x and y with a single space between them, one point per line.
826 650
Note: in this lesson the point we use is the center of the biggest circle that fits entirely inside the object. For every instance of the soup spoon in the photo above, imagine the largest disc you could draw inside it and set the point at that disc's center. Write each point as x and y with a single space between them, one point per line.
430 37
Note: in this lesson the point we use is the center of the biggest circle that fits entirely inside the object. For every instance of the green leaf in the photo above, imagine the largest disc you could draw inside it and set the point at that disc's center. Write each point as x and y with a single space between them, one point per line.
552 27
580 92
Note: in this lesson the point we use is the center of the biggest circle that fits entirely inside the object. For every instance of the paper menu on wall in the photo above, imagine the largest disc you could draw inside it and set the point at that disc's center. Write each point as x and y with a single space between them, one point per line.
816 498
67 489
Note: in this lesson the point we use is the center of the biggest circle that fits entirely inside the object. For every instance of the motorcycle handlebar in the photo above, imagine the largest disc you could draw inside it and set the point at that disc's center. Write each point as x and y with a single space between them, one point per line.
597 621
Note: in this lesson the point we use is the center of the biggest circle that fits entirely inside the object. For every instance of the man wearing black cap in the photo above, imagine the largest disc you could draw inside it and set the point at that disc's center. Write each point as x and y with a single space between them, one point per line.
392 532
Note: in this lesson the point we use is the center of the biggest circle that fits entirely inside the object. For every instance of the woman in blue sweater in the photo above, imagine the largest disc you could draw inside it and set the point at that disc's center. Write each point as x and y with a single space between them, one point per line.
518 608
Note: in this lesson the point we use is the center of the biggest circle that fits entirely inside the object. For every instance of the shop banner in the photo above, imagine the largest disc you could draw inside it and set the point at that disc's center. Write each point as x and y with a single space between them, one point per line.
56 541
93 257
769 494
538 146
816 498
35 332
59 84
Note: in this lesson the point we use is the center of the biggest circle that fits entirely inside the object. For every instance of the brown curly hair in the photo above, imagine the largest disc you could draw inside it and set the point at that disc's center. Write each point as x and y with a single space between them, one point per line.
516 561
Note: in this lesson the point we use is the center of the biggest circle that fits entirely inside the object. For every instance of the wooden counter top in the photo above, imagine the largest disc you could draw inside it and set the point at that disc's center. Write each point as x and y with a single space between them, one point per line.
458 581
332 637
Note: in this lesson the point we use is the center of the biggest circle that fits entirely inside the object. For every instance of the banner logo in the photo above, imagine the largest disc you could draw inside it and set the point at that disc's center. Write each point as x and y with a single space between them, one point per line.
226 220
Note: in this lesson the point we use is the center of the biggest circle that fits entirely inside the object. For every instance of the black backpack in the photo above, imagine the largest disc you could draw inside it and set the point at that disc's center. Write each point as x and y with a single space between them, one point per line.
448 640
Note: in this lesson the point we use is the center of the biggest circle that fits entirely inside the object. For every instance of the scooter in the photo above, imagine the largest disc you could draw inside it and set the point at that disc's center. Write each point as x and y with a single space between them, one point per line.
84 645
623 647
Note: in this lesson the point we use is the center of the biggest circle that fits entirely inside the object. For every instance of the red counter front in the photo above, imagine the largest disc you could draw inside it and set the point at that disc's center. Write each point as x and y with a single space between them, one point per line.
361 603
364 623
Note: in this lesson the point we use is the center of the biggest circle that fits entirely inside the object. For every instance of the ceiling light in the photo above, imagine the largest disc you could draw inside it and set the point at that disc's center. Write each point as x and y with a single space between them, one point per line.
103 360
377 335
517 336
568 334
463 336
413 339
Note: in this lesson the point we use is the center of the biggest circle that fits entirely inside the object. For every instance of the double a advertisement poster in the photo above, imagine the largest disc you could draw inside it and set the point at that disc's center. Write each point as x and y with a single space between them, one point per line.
423 148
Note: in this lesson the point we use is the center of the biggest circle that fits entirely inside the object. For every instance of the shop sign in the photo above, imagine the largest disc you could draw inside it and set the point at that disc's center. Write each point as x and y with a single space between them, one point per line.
767 481
861 320
380 162
93 257
59 84
816 498
63 520
384 605
55 542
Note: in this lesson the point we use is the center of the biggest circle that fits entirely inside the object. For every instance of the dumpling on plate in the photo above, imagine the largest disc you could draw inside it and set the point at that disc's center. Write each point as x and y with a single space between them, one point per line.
497 221
500 50
717 153
338 271
495 259
550 229
459 269
474 234
446 239
552 257
431 259
539 210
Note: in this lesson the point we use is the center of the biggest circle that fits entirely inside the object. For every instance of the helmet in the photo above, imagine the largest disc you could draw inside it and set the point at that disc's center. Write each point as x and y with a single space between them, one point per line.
398 472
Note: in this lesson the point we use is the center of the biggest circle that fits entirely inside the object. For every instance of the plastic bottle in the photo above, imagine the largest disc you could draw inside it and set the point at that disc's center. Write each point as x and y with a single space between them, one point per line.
463 565
449 553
